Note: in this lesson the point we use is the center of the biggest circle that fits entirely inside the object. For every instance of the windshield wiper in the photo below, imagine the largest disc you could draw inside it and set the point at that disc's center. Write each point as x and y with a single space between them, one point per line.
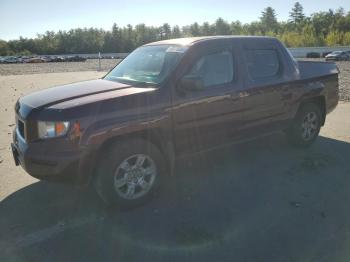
134 82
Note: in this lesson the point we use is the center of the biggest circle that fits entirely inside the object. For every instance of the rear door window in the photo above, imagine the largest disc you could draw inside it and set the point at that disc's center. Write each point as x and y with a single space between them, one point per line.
262 63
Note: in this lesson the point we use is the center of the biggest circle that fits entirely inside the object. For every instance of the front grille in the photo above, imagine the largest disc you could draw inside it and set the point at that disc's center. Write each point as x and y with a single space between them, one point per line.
21 128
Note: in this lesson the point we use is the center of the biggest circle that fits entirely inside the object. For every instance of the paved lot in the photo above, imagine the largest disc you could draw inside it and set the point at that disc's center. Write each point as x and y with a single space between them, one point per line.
259 201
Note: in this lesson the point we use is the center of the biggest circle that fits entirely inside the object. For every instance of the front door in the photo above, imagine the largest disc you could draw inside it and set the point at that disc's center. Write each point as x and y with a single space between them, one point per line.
207 118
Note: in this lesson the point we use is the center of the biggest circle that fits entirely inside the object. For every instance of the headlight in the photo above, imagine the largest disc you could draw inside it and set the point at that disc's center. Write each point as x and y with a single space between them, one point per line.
52 129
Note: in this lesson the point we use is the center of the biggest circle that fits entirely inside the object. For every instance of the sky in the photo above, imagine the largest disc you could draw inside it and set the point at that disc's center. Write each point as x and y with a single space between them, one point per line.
28 17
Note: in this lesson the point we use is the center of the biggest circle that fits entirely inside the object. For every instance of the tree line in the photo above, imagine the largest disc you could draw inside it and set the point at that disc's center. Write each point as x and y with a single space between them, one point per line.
325 28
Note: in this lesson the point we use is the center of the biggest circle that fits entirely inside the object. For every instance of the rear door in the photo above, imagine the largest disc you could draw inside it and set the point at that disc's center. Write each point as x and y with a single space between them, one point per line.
267 91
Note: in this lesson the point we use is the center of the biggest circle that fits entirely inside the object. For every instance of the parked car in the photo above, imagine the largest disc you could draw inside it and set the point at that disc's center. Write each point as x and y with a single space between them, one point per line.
168 99
47 58
338 56
25 59
324 54
11 60
75 59
19 59
36 60
57 59
107 57
313 55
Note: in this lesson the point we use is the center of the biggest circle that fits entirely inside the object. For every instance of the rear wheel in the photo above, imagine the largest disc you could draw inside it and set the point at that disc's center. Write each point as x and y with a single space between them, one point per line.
129 173
306 125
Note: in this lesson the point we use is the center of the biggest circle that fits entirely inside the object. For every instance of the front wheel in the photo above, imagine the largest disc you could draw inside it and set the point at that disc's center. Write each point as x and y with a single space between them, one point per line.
129 173
306 125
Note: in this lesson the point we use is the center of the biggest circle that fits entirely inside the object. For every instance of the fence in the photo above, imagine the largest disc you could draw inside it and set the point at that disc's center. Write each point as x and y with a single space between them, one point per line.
300 52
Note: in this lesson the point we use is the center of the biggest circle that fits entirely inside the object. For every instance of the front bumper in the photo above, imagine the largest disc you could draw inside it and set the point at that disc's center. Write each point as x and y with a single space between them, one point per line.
66 167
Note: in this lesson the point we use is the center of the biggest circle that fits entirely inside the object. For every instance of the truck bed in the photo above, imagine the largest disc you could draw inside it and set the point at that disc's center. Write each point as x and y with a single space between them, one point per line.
314 69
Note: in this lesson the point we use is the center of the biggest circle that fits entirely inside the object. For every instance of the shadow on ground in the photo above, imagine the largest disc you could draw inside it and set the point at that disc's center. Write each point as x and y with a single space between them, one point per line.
258 201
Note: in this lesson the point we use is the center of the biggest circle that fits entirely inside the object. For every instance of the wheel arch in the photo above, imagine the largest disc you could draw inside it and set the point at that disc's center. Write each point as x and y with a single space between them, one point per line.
320 101
154 135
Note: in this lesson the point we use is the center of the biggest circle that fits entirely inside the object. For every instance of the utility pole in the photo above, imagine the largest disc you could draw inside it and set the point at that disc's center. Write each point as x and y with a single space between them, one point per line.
99 61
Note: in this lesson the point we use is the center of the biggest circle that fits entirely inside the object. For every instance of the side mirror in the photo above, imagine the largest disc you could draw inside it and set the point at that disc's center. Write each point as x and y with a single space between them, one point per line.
191 83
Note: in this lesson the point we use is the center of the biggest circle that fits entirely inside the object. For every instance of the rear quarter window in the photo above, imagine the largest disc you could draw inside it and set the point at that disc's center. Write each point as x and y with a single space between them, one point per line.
261 63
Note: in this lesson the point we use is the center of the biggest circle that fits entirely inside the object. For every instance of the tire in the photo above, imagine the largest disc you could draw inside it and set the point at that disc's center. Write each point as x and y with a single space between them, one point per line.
306 126
132 165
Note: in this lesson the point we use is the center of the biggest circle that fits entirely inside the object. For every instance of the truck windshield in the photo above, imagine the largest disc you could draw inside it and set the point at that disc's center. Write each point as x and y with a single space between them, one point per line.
147 64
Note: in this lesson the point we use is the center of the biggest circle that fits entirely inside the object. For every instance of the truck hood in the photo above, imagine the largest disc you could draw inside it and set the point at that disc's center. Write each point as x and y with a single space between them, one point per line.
76 91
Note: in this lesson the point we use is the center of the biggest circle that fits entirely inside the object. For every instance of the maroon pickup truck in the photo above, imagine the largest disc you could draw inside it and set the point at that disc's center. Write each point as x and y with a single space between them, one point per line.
165 100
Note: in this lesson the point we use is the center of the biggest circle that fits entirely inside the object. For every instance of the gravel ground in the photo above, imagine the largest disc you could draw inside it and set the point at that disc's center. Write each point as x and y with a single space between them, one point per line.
344 80
40 68
107 64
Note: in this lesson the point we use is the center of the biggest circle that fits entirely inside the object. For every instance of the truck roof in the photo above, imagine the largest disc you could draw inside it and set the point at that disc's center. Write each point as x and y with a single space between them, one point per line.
187 41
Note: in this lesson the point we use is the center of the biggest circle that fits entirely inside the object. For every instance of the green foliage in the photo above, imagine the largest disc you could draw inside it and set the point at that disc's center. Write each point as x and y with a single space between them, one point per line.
176 33
292 39
334 38
236 28
346 38
194 29
166 31
221 27
205 29
5 49
268 20
297 14
321 28
309 36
